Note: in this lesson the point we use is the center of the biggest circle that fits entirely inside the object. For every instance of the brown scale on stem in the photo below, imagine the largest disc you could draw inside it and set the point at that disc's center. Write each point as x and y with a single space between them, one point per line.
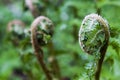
41 27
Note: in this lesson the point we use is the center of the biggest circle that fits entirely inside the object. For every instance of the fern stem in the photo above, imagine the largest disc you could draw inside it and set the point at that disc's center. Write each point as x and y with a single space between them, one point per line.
94 37
38 51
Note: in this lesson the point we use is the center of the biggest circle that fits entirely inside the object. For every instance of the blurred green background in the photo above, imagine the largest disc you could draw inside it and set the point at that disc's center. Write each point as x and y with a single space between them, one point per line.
19 63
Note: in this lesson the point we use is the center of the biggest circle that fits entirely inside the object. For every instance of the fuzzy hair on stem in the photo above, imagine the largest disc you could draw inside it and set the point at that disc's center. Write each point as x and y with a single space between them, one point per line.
37 48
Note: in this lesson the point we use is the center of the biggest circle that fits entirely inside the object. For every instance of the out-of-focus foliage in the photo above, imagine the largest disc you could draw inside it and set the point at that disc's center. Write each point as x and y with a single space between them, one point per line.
19 62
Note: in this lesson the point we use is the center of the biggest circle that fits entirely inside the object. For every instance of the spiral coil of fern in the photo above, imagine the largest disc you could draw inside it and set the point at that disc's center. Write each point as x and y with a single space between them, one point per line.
16 30
94 37
41 31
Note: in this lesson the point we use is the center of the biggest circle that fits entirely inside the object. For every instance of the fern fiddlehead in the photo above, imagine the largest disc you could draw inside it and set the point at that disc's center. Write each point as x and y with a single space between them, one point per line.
16 30
41 32
94 37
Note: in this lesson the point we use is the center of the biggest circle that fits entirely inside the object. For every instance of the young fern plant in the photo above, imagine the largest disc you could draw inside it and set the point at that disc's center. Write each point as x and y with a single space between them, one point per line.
41 32
15 29
93 38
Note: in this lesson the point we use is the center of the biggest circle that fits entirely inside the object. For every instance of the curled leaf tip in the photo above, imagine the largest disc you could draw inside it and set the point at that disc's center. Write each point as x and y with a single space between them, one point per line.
93 33
42 28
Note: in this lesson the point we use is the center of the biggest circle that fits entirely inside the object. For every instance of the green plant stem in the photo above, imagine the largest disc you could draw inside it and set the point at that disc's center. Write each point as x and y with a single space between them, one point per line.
98 10
32 8
103 48
54 63
99 66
